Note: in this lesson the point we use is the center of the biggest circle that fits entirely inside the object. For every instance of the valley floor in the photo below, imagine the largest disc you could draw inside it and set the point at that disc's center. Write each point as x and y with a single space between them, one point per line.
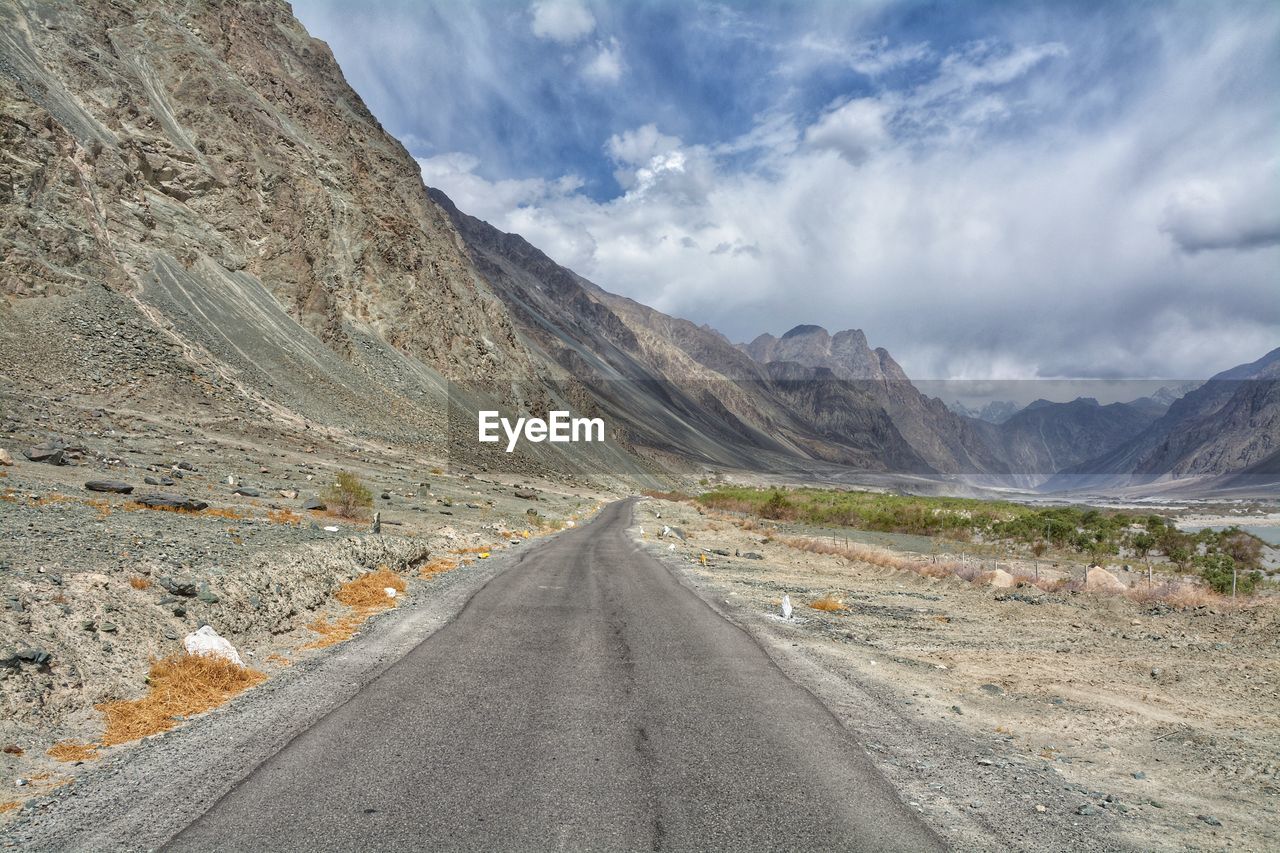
1013 717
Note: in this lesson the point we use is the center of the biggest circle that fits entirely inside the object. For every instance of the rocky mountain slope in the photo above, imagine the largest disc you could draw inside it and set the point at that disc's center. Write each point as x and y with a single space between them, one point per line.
681 390
948 442
198 215
993 412
202 176
1227 426
1044 438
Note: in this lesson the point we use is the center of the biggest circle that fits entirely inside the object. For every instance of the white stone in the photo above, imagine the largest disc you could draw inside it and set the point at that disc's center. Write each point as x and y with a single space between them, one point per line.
208 642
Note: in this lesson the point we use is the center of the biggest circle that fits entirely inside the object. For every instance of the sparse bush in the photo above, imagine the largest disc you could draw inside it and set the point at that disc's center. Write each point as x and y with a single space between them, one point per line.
1217 569
828 604
776 506
348 497
139 582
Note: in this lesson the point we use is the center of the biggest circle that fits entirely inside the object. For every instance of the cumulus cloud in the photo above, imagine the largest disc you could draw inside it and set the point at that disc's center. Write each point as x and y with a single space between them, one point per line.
606 65
854 129
1205 215
565 21
1051 200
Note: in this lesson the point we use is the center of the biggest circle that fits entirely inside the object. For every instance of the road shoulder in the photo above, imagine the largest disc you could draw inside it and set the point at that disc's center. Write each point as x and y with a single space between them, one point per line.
139 798
968 789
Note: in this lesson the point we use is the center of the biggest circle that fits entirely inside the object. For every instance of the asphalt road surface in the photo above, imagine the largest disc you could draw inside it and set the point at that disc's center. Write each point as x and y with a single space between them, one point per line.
583 700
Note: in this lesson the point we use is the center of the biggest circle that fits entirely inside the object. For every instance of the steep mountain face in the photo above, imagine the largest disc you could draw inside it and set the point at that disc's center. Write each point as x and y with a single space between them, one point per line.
1046 437
197 213
948 442
1228 424
680 389
993 412
208 165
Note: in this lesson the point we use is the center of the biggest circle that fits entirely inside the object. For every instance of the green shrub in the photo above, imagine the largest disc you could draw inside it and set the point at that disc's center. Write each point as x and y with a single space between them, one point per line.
775 506
1217 568
348 497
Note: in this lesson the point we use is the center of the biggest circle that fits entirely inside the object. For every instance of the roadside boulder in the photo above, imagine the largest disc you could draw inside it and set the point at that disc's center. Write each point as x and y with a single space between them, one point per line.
5 459
209 643
113 486
526 494
314 504
1099 579
50 453
1000 579
246 492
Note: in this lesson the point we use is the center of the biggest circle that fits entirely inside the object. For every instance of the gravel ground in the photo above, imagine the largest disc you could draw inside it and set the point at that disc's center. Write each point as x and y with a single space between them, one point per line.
1079 722
128 802
92 586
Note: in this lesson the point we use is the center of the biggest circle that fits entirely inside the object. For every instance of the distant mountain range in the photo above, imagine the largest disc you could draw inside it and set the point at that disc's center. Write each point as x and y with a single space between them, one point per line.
993 412
203 178
1227 429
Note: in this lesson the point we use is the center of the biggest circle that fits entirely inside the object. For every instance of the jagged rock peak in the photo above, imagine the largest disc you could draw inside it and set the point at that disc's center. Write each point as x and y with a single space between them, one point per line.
803 329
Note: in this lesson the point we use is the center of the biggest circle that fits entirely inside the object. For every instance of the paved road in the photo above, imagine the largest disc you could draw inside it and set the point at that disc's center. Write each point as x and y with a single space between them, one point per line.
583 700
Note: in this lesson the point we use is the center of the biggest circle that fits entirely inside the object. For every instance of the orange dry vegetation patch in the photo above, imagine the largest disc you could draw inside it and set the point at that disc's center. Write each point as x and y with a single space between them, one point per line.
369 591
139 582
9 806
284 516
280 659
179 686
71 750
334 631
828 603
479 549
365 595
46 500
437 566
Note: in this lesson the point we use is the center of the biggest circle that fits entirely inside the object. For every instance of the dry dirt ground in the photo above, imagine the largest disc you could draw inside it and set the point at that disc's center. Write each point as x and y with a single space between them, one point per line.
92 587
1014 718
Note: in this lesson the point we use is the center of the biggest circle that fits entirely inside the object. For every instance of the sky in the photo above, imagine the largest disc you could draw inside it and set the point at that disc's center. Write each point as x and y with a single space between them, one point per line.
1008 190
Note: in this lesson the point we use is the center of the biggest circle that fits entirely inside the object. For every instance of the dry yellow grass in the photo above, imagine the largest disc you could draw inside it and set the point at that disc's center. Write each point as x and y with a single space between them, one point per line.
279 659
479 549
334 631
139 582
369 591
829 604
179 686
9 806
437 566
71 750
365 595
